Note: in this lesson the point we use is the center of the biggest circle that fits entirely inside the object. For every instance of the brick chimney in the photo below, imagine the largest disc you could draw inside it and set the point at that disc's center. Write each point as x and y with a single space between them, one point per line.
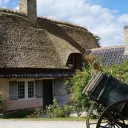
126 39
30 9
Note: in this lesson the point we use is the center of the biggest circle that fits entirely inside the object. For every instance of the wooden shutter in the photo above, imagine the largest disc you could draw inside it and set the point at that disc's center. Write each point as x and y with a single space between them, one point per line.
13 90
38 88
60 88
60 92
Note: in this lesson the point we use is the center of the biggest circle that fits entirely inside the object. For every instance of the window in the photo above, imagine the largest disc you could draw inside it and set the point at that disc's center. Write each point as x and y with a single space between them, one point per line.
30 89
21 89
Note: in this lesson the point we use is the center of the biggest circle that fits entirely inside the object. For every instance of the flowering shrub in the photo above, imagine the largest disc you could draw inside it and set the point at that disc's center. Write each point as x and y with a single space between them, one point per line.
37 113
58 111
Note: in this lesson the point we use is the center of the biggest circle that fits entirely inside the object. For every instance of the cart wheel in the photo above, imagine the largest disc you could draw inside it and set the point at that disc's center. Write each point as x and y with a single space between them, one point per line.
114 117
92 114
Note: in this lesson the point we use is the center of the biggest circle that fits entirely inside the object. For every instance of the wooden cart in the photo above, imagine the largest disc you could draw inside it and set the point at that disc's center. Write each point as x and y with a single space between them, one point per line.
110 104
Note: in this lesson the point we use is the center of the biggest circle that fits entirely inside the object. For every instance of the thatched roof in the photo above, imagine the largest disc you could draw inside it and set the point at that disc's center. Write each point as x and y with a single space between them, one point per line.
23 46
63 48
110 55
77 36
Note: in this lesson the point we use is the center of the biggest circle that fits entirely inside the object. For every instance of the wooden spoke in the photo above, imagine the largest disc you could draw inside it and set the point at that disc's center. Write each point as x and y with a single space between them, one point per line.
91 115
114 116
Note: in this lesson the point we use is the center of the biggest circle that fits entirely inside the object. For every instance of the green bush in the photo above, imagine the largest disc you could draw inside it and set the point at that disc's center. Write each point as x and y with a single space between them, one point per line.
2 102
82 77
58 111
67 110
38 112
79 81
18 114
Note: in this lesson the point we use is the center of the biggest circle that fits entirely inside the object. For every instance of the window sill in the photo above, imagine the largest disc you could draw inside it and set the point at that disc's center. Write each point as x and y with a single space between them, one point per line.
28 98
70 65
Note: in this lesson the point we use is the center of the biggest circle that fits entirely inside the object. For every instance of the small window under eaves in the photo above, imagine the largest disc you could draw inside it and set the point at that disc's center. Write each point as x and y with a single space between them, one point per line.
70 59
74 61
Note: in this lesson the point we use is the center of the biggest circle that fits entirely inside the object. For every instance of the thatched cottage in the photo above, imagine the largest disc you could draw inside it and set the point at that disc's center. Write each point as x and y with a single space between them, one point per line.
37 55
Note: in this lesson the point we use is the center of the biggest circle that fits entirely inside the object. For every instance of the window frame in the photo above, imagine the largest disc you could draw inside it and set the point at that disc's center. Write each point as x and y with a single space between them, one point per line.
33 89
26 89
18 89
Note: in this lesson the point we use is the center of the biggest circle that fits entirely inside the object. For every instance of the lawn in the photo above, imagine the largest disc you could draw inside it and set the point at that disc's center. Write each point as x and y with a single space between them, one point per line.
51 119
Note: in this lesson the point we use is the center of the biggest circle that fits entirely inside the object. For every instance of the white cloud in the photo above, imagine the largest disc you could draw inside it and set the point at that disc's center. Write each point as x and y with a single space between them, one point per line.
101 21
16 8
3 3
123 18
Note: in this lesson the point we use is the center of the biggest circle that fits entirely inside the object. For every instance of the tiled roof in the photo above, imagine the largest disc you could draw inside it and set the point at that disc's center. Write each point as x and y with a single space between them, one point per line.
110 55
38 74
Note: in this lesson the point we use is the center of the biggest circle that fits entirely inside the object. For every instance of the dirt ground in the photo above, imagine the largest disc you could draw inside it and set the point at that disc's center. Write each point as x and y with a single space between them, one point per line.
41 124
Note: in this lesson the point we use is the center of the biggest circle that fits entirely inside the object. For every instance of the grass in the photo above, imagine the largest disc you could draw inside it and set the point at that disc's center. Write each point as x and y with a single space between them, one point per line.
12 12
50 119
59 119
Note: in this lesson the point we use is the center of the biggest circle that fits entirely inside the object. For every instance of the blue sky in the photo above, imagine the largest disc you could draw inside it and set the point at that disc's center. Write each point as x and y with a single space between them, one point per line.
105 18
119 5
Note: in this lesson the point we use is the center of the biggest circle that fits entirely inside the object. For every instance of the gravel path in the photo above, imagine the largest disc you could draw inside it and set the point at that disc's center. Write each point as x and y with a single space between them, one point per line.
41 124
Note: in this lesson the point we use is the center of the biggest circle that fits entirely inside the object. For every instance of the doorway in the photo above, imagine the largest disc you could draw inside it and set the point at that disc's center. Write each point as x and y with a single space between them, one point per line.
47 93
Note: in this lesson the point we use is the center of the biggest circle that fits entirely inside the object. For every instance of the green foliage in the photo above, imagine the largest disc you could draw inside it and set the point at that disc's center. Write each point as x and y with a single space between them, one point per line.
79 81
77 108
18 114
82 77
2 102
55 111
68 86
120 72
38 112
97 39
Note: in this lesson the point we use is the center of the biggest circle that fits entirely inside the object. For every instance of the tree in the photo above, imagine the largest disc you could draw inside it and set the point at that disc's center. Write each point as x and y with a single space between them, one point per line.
97 39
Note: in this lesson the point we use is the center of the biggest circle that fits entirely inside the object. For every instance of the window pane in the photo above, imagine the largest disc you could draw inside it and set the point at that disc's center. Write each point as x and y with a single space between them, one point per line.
21 89
30 89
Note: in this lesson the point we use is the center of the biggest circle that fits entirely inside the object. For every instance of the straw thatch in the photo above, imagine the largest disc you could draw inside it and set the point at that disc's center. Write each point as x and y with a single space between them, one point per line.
77 36
23 46
63 48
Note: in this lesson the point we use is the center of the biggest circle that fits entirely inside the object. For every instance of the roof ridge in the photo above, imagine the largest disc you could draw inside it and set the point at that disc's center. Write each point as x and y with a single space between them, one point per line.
109 47
15 12
63 23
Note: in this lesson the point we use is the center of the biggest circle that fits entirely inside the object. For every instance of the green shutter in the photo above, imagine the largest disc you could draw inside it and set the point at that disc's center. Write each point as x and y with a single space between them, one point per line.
60 93
38 88
13 90
60 88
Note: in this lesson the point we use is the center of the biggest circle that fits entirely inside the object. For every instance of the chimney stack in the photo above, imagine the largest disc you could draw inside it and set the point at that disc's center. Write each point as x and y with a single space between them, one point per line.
30 9
126 39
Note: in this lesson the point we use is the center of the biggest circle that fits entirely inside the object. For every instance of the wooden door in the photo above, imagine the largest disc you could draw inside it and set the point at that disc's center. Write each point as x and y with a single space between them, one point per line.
47 93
